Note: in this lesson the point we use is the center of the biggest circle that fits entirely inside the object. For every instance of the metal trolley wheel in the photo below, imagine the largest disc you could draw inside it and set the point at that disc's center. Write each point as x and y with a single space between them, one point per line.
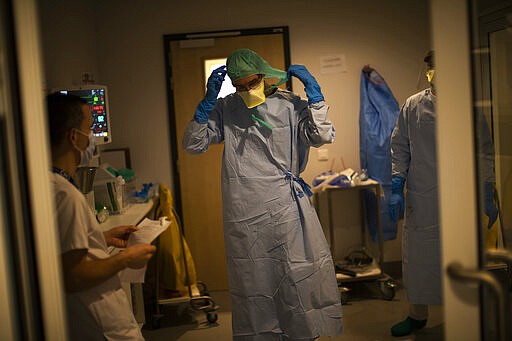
344 294
211 317
206 305
388 289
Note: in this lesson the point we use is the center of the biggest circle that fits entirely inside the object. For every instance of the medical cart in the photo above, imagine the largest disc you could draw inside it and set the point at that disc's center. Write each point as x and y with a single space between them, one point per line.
358 265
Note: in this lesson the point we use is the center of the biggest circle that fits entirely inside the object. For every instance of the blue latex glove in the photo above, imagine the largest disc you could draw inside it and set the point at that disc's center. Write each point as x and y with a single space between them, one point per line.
310 85
491 210
205 107
396 202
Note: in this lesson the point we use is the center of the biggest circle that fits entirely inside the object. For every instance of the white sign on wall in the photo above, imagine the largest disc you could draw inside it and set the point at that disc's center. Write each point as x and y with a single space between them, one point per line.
333 64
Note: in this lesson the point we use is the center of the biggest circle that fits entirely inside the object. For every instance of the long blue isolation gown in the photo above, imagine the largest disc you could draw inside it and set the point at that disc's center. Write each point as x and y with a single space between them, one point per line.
414 155
281 273
378 113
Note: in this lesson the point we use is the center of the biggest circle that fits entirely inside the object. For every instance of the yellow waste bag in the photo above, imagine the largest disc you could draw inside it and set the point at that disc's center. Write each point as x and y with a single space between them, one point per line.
491 234
169 254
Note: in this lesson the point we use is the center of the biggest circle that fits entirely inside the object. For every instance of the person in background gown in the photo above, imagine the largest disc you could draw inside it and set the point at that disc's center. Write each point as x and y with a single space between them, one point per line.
414 164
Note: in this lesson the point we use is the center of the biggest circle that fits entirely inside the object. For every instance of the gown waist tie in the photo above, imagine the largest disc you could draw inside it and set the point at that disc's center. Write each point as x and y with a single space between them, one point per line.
304 186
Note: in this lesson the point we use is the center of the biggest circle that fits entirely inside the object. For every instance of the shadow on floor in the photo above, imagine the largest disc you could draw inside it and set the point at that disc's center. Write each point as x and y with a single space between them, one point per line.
366 317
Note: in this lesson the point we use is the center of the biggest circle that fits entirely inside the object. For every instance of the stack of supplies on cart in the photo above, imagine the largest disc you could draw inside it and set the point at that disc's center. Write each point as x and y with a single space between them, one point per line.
358 263
345 178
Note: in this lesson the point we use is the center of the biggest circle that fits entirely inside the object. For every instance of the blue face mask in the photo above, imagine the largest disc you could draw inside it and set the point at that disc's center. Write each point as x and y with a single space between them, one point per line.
89 152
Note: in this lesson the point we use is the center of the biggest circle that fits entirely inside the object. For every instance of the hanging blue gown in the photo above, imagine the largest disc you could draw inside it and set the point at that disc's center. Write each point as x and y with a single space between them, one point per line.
378 113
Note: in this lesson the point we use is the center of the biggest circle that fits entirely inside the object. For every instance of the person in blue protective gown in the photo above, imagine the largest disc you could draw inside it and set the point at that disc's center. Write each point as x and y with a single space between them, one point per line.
414 163
413 153
281 273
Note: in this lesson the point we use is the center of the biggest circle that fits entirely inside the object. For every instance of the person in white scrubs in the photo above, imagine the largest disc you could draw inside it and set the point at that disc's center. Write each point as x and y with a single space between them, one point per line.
281 273
97 305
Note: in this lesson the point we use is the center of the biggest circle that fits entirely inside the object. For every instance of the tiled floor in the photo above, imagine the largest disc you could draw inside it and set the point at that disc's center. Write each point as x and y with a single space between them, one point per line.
367 317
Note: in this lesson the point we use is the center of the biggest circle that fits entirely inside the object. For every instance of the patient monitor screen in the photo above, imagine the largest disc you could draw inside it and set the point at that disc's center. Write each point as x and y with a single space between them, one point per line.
96 97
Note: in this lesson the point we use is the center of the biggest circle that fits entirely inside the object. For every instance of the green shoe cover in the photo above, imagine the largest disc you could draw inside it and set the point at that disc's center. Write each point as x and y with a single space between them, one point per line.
407 326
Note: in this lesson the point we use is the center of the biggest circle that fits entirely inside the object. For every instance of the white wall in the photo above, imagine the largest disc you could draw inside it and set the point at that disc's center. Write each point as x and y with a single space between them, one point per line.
122 43
68 31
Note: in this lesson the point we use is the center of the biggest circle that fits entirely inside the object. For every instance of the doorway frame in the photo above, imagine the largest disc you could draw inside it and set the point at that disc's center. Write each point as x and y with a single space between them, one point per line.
168 38
464 275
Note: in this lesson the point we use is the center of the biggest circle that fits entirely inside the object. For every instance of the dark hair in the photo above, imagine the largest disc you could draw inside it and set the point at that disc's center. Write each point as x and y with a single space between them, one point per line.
429 59
64 113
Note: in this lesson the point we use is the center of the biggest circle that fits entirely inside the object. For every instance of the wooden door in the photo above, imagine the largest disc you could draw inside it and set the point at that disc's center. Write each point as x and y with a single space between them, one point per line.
199 175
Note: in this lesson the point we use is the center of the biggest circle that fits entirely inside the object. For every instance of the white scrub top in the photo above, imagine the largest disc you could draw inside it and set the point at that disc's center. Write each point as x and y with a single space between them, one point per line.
102 312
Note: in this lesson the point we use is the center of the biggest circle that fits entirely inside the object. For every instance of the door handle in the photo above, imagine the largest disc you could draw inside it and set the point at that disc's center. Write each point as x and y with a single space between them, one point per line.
502 255
505 256
457 272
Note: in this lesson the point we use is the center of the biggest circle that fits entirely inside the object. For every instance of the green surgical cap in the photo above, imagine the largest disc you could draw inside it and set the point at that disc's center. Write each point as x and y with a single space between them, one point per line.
245 62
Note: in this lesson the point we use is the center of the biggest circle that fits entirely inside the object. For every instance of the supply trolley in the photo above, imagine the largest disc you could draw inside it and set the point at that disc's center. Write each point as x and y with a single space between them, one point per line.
358 264
197 300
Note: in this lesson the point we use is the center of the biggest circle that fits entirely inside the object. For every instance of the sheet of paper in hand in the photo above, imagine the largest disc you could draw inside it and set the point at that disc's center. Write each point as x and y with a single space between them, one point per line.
147 232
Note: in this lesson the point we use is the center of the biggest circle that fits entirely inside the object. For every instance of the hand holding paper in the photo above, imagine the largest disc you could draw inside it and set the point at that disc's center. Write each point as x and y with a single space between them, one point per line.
118 236
148 231
139 244
139 254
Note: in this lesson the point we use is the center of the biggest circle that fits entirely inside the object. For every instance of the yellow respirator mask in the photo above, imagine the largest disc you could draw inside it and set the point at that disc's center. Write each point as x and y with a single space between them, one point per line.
430 75
253 97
